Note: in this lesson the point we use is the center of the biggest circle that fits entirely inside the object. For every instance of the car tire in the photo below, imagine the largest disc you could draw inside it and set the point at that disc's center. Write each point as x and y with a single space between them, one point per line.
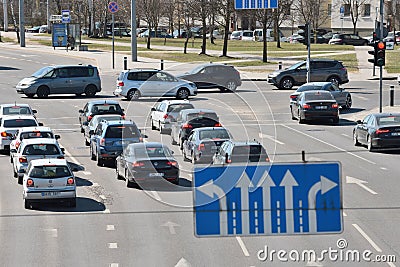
119 177
286 83
92 155
291 113
334 79
20 179
231 86
369 144
181 143
160 127
185 158
87 143
194 160
43 92
133 94
29 95
27 204
301 121
129 184
15 174
183 93
152 124
355 139
349 103
90 91
100 162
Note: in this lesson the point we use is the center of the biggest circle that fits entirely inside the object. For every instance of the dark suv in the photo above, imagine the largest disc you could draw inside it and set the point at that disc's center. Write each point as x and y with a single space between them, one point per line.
224 77
322 70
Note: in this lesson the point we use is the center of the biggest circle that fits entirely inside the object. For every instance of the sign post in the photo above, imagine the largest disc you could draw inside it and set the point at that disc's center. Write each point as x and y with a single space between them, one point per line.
112 7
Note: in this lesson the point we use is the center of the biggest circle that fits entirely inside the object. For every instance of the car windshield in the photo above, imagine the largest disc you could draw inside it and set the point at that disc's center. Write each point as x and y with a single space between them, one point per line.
214 134
106 108
16 110
336 36
17 123
49 172
36 134
152 152
42 72
318 96
295 66
122 131
196 70
178 107
202 115
41 149
309 88
389 120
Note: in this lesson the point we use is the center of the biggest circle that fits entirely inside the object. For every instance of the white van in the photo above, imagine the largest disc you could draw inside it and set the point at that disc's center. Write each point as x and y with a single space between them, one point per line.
258 35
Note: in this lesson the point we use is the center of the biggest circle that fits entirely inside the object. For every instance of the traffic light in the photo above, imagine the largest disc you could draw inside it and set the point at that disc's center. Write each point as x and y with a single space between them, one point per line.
304 31
373 52
380 53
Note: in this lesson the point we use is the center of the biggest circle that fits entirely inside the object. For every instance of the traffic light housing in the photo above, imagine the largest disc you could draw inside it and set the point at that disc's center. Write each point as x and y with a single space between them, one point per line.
374 53
304 31
380 53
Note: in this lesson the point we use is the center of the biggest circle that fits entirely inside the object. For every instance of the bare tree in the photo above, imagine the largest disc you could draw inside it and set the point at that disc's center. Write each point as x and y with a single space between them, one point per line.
151 10
189 13
264 16
313 11
281 14
353 7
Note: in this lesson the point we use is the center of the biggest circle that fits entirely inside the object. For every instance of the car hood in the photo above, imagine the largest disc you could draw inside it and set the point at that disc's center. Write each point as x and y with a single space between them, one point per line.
27 80
276 73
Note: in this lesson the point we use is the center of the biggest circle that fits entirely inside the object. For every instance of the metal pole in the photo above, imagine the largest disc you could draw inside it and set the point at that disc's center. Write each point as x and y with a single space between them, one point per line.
125 63
133 32
48 16
391 102
308 53
162 64
380 67
5 14
21 23
112 34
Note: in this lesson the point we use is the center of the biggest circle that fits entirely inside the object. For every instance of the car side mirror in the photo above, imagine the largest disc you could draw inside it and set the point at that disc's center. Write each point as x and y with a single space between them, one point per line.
22 171
81 111
123 110
34 111
63 150
57 136
359 122
13 150
227 158
91 132
85 123
144 136
153 109
40 123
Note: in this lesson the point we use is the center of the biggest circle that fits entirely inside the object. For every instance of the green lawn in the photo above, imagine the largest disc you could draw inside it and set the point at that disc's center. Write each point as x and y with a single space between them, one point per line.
392 61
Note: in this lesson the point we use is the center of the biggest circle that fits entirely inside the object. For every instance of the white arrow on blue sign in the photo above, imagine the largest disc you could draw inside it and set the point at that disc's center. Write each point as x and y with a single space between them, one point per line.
270 199
255 4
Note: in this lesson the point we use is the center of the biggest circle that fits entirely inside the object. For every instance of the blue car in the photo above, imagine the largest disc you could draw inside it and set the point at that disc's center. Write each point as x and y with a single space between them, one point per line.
111 137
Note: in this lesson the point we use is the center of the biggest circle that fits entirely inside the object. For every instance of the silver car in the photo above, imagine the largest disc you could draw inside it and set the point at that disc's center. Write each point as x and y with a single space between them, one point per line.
49 180
10 124
137 83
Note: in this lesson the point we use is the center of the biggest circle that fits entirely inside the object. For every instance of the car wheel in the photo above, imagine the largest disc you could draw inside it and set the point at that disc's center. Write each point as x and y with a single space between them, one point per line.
30 95
15 173
133 94
349 102
182 93
231 86
162 130
86 142
334 79
185 158
369 144
129 184
299 116
181 143
152 124
92 155
27 204
100 162
43 92
194 160
90 90
291 113
119 177
20 179
286 83
355 139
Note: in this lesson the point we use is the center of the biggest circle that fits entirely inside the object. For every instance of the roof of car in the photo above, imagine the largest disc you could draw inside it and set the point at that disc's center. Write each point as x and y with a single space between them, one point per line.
196 110
142 69
33 141
209 129
35 128
380 115
119 122
16 117
171 102
14 105
97 102
215 64
244 143
316 83
48 161
147 144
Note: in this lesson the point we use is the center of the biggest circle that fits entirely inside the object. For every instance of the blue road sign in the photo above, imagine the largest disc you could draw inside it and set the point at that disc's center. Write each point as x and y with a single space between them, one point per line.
113 7
255 4
271 199
65 16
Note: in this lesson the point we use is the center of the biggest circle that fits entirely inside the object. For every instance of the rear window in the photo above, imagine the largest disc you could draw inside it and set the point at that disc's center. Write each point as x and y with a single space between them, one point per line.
249 153
202 115
16 110
29 135
81 72
140 76
50 172
309 88
19 123
122 131
389 120
248 34
318 96
152 152
41 149
214 134
106 108
179 107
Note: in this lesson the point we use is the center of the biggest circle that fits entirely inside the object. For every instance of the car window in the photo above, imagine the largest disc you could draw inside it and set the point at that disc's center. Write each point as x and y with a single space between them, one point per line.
179 107
41 149
122 131
42 72
106 108
165 77
16 110
62 73
152 152
370 121
201 115
49 172
389 120
19 123
80 72
318 96
37 134
214 134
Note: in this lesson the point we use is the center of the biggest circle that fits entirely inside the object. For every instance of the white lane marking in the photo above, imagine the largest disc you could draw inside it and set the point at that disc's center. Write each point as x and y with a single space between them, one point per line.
112 245
344 214
261 135
106 211
86 173
346 135
326 143
183 263
360 183
242 246
361 231
53 232
110 227
383 168
114 264
103 197
71 157
95 184
155 194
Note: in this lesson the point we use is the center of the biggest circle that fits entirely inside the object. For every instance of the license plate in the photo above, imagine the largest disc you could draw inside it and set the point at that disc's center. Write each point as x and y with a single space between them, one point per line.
395 134
50 194
156 174
320 107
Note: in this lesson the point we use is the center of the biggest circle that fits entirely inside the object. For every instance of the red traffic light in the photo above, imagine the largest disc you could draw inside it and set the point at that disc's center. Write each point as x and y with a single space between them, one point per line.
381 45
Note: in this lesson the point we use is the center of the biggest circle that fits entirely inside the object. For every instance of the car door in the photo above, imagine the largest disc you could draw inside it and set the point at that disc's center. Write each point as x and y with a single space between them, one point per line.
155 116
189 143
79 78
300 74
148 81
338 94
120 162
94 139
60 81
362 130
201 77
167 84
176 126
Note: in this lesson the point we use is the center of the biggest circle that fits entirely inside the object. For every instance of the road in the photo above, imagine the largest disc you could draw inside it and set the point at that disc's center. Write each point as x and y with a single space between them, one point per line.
113 225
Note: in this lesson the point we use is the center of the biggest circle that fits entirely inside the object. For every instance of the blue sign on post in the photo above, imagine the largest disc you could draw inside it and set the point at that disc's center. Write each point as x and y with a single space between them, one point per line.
65 16
255 4
112 7
271 199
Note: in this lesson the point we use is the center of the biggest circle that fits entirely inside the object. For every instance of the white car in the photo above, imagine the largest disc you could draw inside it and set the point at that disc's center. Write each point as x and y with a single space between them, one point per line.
137 83
49 180
9 125
16 109
90 126
30 149
165 112
28 133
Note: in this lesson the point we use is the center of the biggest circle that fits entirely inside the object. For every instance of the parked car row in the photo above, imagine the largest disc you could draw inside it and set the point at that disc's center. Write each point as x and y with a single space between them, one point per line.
37 158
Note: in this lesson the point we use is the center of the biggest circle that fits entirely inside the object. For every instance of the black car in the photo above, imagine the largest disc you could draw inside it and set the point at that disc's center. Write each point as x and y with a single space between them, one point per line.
321 70
224 77
236 152
190 119
147 162
99 107
347 39
378 130
315 105
203 142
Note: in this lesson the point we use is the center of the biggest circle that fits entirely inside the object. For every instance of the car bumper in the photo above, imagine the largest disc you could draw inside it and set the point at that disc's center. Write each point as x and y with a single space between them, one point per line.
26 90
272 80
320 115
386 143
49 194
155 176
5 144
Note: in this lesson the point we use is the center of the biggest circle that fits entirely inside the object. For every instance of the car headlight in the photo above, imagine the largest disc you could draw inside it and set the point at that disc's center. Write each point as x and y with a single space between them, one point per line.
273 75
26 83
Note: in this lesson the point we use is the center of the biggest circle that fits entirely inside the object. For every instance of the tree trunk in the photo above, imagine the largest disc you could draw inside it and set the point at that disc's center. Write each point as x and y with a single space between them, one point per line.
204 30
226 29
265 59
15 21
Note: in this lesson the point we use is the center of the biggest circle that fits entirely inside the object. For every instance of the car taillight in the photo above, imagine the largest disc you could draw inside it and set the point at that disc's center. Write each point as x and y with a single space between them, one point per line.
89 118
3 134
201 147
228 160
60 157
123 117
70 181
335 106
267 159
138 164
379 131
121 84
30 183
17 144
22 160
187 126
218 124
172 163
165 116
102 142
293 97
306 106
